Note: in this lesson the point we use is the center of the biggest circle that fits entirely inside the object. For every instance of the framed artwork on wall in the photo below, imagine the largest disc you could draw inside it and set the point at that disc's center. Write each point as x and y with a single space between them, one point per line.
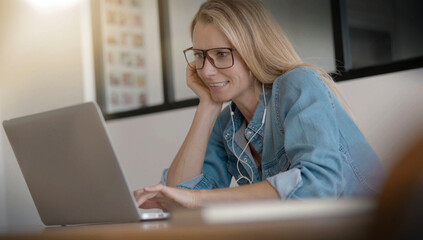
127 54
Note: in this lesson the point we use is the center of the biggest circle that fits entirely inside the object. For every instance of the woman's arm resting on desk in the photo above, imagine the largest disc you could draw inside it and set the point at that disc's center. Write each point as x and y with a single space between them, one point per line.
164 197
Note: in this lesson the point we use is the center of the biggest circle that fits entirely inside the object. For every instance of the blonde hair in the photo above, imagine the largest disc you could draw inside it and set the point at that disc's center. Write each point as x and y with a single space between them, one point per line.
259 39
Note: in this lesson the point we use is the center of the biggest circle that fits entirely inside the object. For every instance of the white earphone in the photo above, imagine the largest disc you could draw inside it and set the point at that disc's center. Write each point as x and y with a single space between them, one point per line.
241 176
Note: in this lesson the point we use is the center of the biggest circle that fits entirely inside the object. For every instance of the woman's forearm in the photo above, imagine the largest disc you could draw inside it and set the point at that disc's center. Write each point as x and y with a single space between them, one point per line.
189 160
258 191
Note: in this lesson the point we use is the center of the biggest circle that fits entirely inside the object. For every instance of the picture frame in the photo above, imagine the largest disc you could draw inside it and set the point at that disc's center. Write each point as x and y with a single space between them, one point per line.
127 55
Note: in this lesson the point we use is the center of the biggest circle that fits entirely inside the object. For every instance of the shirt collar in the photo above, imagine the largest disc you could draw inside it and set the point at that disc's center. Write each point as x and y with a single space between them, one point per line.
255 122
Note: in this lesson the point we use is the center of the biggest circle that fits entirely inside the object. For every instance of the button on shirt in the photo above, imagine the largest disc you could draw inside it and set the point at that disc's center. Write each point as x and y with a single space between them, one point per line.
309 145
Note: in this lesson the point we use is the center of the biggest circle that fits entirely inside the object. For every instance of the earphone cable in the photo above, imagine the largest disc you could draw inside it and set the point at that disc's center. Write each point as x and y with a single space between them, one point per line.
233 136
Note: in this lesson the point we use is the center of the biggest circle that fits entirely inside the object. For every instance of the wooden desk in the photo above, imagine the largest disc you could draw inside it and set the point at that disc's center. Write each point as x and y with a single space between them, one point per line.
351 227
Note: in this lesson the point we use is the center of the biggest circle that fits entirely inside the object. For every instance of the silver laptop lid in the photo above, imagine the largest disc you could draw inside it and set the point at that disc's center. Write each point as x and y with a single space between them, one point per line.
70 166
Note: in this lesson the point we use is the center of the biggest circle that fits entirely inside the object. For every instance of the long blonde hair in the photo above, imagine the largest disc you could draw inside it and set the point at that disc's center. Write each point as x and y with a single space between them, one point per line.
259 39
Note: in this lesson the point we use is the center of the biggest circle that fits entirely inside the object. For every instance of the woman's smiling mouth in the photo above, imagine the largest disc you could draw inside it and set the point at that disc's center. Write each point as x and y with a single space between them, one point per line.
219 84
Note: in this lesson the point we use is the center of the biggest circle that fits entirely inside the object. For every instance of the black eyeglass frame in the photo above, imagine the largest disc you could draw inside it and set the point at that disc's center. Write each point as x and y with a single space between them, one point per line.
205 53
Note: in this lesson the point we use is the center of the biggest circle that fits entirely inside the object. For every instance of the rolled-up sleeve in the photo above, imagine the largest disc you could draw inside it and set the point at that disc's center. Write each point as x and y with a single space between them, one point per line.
188 184
311 137
215 171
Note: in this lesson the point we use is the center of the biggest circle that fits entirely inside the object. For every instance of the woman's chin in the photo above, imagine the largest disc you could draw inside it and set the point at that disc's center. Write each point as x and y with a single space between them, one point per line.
220 99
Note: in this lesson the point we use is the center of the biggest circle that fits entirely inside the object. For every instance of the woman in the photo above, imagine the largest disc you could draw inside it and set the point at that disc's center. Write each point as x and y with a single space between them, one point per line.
288 133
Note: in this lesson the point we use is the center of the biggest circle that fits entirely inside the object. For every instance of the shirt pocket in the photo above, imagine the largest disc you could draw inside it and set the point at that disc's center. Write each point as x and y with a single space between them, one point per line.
279 163
232 168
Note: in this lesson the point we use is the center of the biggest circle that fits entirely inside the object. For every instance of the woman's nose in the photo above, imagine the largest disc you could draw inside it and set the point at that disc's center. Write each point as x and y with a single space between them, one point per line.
209 68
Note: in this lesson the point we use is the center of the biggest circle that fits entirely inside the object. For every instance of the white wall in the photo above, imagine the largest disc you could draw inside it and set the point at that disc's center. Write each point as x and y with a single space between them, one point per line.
41 69
3 208
181 13
147 144
2 178
42 66
389 108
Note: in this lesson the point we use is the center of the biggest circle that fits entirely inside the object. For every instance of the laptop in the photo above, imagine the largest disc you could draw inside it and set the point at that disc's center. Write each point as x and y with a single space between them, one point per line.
71 169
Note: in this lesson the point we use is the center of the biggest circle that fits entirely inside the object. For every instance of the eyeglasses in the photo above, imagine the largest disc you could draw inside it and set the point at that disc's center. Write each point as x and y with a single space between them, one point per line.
220 58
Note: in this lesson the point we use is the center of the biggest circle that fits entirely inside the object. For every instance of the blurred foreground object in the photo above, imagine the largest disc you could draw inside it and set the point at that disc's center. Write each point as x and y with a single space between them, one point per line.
400 211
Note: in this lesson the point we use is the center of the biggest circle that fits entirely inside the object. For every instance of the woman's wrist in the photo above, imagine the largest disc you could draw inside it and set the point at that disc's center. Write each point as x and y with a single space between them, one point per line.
209 108
210 105
200 197
258 191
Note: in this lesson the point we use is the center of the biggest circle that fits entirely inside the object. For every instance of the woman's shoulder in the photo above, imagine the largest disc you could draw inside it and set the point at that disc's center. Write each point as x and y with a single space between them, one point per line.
298 78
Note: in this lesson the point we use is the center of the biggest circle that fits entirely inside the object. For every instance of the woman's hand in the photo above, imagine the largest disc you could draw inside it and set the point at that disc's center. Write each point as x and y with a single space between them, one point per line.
197 86
164 197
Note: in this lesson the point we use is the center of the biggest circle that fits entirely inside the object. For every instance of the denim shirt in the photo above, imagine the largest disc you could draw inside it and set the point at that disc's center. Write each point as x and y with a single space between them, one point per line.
310 147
